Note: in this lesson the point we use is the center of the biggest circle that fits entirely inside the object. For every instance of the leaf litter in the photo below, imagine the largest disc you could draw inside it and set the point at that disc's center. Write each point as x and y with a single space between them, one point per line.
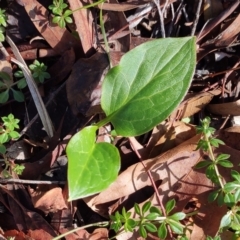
169 151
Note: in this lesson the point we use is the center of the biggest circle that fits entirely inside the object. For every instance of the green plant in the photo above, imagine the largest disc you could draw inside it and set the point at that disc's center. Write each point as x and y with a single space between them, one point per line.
227 193
150 219
38 71
6 85
140 92
7 131
3 24
61 15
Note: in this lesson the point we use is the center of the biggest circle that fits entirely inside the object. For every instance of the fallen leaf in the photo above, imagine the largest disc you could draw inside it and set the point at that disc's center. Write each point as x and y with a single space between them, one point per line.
224 109
48 200
135 177
58 38
85 76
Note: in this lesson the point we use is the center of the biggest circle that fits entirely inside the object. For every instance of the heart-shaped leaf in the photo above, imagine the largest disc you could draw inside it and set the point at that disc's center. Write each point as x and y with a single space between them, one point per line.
92 166
148 84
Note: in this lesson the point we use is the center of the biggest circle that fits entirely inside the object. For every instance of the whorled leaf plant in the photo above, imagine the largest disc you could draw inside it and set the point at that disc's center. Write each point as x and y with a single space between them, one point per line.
147 85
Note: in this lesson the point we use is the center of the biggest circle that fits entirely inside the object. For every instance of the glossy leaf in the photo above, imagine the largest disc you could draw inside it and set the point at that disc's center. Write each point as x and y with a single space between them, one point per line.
92 167
148 84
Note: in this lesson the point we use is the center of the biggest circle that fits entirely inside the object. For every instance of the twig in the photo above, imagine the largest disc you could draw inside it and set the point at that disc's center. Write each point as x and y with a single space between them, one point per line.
157 3
197 18
22 181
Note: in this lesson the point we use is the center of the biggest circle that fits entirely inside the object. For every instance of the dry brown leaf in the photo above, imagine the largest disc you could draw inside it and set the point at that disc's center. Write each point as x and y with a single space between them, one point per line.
216 21
39 234
230 137
194 104
224 109
62 67
83 20
83 80
58 38
179 160
48 200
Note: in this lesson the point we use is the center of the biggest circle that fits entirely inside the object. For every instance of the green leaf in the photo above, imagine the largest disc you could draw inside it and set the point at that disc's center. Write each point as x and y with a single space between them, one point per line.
4 138
226 220
4 96
92 167
229 199
237 195
22 83
178 216
157 210
235 175
202 164
230 186
142 231
213 196
137 209
5 76
146 207
17 95
150 227
215 142
152 216
148 84
14 135
225 163
2 149
176 226
222 157
162 231
170 205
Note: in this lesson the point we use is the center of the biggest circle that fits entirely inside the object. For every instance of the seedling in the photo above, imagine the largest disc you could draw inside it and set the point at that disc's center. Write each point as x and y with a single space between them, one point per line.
228 193
8 131
6 86
61 15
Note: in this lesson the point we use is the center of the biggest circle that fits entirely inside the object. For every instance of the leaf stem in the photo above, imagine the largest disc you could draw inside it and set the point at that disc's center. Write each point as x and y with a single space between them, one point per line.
100 224
214 160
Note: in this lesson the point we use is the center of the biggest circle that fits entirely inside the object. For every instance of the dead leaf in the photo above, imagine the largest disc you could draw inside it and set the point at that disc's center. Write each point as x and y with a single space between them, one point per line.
48 200
83 19
224 109
230 137
85 76
194 104
216 21
62 67
58 38
135 177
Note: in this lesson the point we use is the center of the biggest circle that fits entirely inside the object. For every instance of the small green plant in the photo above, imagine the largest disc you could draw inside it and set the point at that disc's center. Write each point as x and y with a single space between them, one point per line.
8 131
6 86
38 71
150 220
226 193
3 24
61 13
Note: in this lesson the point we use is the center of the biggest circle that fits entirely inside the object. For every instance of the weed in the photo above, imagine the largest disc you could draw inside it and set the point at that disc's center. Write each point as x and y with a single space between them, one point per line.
227 193
7 133
61 13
